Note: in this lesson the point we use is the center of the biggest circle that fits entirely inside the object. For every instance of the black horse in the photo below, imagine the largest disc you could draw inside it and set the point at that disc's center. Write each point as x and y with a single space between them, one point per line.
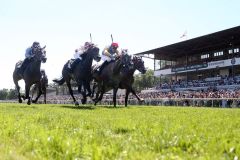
81 73
44 85
110 77
31 75
127 77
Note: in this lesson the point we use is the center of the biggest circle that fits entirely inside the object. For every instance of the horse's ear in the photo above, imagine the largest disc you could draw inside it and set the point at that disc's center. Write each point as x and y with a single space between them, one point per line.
44 47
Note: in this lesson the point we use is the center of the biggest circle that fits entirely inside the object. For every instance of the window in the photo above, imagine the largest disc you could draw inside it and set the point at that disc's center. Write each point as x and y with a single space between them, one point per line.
216 54
230 51
236 50
204 56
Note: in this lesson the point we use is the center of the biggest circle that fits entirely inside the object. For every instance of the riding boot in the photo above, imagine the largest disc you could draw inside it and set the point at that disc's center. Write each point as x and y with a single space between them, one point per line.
74 64
24 65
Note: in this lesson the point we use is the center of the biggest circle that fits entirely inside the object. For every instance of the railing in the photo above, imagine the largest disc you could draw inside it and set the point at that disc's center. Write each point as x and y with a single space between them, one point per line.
194 102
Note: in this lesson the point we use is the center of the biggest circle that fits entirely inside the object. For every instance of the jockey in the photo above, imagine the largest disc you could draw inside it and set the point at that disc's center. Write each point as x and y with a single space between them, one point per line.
109 54
30 52
79 53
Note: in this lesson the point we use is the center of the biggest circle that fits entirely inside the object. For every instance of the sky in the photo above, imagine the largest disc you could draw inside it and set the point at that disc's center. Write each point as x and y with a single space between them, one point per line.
138 25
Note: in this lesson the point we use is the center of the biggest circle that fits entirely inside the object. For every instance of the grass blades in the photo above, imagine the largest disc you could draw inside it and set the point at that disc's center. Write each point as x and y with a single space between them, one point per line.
137 132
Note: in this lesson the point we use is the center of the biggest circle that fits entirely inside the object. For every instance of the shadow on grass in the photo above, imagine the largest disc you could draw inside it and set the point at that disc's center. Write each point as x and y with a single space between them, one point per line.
22 106
122 130
112 107
80 107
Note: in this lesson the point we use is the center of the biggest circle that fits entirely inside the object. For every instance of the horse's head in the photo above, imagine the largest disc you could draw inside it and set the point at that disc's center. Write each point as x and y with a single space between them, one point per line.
40 55
126 60
139 64
94 52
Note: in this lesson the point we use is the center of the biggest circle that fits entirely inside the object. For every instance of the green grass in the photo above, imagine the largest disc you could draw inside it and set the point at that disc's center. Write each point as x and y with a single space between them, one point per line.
67 132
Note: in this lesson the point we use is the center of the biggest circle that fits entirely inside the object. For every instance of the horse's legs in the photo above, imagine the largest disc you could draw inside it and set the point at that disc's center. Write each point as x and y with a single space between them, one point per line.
83 93
71 93
84 97
101 90
88 89
79 87
114 96
39 92
96 85
18 91
93 88
27 88
126 97
45 96
134 93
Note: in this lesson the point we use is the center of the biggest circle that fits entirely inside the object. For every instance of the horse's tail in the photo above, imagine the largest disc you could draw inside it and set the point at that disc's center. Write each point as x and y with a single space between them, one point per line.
59 81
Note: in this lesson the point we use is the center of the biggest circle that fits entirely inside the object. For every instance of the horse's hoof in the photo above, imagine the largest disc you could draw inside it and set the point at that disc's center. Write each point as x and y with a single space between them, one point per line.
83 101
76 103
34 101
20 100
28 102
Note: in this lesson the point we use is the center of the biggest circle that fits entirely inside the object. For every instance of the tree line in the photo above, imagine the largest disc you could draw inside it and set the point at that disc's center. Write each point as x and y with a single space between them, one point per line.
7 94
145 81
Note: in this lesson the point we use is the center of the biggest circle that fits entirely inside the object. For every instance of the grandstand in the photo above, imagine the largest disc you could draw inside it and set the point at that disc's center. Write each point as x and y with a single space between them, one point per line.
209 60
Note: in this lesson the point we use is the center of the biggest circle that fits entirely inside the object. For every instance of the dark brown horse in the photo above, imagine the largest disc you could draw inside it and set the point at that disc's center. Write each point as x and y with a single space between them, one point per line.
31 74
81 74
110 77
127 78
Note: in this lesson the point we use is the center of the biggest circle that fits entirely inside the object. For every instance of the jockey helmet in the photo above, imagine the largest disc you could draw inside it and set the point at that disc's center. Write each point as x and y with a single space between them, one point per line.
35 44
88 44
114 45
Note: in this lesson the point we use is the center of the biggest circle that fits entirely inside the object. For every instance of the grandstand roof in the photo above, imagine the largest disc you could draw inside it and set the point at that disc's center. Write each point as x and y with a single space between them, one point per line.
214 41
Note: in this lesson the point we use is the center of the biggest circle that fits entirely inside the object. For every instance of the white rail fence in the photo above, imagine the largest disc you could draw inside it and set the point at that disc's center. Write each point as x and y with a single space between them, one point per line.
194 102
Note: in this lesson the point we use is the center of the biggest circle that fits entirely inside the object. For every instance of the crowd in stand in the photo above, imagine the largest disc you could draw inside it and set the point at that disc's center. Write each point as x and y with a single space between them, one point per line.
210 97
207 82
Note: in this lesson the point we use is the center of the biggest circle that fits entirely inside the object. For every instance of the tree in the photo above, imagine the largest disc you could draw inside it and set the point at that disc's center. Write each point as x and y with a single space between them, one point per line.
11 94
143 81
3 94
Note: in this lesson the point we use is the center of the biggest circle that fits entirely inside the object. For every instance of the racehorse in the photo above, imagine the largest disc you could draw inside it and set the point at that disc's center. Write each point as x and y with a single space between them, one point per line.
127 78
110 77
31 75
44 85
81 74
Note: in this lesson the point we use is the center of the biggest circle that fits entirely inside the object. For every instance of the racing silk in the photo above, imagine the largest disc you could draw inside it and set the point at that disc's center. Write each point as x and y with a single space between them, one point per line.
108 50
77 55
80 51
109 54
29 53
